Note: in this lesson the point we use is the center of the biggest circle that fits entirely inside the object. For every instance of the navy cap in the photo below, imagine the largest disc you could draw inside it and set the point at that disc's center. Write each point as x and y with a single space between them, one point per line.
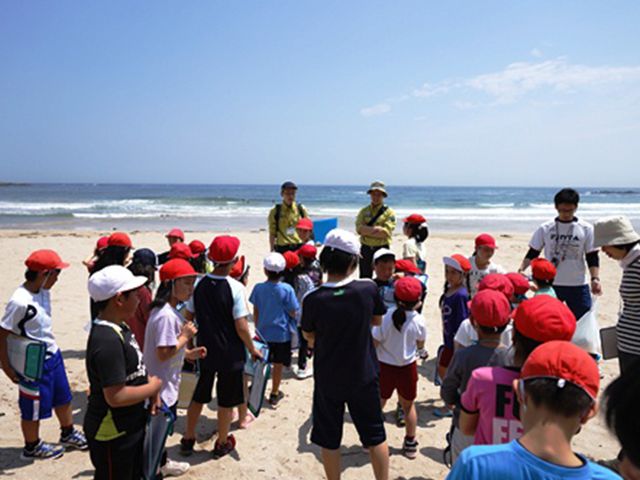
144 256
286 185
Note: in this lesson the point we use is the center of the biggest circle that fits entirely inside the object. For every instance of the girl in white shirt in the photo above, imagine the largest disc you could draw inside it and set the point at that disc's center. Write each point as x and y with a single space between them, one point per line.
416 230
481 264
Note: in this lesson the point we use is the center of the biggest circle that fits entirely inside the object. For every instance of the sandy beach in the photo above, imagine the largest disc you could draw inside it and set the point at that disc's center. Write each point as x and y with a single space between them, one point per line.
277 444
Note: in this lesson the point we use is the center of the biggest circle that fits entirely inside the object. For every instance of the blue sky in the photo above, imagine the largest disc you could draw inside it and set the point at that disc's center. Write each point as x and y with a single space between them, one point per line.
413 92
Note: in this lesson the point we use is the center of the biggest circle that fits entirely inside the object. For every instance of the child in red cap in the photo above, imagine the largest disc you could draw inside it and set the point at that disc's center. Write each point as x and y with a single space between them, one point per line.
304 229
416 230
310 265
557 395
481 264
543 273
399 342
174 236
489 406
489 315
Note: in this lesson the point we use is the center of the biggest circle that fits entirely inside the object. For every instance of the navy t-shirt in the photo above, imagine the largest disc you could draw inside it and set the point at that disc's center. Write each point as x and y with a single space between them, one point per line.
340 315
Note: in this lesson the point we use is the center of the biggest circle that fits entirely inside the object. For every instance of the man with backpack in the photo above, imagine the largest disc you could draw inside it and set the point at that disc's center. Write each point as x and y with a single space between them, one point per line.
283 219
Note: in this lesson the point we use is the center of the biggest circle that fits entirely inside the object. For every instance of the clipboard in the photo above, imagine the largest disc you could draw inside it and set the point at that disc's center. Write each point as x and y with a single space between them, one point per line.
609 342
26 356
261 371
159 427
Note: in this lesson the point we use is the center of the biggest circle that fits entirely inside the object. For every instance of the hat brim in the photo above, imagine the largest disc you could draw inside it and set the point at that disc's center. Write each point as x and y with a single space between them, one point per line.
133 284
612 241
453 263
63 265
381 190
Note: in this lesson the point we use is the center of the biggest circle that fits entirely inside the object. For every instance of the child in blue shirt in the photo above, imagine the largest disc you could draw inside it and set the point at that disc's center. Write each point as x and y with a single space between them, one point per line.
274 312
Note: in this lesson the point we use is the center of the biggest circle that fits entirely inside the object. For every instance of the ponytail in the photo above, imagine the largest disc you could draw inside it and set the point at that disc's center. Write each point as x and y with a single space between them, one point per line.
399 315
163 295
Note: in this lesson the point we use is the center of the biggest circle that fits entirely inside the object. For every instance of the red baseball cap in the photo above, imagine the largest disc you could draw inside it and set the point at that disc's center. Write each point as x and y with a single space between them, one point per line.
490 308
485 240
238 268
497 282
307 251
102 243
459 262
223 249
543 269
415 218
175 232
43 260
408 289
406 266
197 247
565 362
180 250
544 318
305 224
519 282
292 259
119 239
176 268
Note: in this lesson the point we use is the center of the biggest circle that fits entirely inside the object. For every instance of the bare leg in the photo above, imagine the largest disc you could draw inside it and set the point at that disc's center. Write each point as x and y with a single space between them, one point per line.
225 415
65 415
380 461
411 416
30 430
193 414
277 378
331 463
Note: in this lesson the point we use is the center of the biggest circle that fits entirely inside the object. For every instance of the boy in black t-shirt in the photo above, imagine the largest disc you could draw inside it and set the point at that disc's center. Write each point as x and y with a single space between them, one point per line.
119 388
336 321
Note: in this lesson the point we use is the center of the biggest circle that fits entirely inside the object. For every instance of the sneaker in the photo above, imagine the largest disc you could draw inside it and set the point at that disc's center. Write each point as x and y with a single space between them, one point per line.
75 439
410 448
301 374
173 468
186 446
43 450
222 449
400 421
275 398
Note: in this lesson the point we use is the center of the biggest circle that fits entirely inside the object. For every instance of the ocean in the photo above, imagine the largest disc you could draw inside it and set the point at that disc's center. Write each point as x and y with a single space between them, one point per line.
221 208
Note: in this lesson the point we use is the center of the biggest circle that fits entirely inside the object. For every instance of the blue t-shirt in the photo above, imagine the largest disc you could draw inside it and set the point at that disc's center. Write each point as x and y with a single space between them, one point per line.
274 301
454 312
513 461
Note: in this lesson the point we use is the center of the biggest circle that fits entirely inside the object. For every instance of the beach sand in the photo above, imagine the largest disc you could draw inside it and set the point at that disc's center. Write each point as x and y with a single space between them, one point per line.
277 444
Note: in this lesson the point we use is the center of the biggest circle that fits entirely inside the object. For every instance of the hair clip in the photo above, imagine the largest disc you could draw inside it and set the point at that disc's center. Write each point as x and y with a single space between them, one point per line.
561 382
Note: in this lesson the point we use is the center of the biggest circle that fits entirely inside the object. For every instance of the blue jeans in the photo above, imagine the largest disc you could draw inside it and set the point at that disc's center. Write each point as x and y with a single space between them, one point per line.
577 298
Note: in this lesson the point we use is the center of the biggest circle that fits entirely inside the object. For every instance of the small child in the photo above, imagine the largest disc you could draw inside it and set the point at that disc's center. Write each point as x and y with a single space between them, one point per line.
310 264
409 269
166 337
304 229
274 311
416 230
384 261
543 273
90 261
399 341
489 315
199 257
520 287
557 394
481 264
144 265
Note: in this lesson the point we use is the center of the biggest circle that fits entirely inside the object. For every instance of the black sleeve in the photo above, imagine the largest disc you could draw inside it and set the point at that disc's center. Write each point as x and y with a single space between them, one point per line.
593 260
109 362
532 253
379 307
306 320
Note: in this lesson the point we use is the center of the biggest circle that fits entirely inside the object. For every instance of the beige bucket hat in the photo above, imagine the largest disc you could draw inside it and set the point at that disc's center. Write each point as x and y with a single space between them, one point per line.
616 230
379 186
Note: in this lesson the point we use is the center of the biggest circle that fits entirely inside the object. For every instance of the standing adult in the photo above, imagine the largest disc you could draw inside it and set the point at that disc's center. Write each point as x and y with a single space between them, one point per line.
283 219
568 244
174 236
375 224
621 242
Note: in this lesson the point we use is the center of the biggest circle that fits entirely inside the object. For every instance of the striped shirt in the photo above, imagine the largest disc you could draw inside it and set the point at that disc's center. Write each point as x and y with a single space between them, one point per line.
628 328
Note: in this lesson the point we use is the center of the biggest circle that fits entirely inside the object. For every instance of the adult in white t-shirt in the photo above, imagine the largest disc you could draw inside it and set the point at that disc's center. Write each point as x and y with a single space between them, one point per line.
481 264
567 242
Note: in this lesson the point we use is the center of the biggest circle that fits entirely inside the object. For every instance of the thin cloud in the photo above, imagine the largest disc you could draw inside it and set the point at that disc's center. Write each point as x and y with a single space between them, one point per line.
375 110
536 52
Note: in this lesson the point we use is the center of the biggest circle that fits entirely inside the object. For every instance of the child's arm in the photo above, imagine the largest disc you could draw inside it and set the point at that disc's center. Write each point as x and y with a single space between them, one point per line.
242 329
468 422
187 333
376 320
310 337
124 396
449 391
4 357
256 315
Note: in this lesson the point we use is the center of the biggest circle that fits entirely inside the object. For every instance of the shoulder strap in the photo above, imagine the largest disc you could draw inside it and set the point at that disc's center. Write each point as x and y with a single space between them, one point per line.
375 218
276 216
301 210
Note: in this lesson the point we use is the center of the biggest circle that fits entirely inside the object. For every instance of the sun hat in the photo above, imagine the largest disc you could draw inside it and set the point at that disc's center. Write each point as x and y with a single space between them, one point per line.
611 231
490 308
176 268
459 262
379 186
292 260
287 185
238 268
43 260
342 240
197 247
223 249
406 266
145 256
498 282
520 282
383 252
175 232
565 362
485 240
274 262
415 218
305 224
111 280
119 239
181 250
543 269
102 243
544 318
307 251
407 289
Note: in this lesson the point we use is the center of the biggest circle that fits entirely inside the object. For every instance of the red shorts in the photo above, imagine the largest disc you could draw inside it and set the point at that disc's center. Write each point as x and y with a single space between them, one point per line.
404 379
445 357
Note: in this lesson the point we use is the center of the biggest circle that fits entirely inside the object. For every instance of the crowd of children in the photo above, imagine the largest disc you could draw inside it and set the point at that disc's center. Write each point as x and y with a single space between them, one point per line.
516 388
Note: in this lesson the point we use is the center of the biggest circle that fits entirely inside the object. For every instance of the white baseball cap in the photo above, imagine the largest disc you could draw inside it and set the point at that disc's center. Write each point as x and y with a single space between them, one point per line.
382 253
274 262
112 280
342 240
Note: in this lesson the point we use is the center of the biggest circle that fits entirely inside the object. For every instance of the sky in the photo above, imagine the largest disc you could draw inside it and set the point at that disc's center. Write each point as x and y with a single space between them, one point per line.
326 92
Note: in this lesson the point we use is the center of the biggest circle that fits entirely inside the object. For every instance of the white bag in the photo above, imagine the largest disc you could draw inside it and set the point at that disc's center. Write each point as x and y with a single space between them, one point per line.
188 382
587 334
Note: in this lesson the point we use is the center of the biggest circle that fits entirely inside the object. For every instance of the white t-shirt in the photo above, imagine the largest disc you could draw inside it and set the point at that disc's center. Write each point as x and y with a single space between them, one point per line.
29 315
567 243
467 335
399 348
476 275
412 249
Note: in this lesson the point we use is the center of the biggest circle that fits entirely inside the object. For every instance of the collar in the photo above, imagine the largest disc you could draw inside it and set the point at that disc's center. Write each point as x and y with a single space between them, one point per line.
339 284
557 219
630 257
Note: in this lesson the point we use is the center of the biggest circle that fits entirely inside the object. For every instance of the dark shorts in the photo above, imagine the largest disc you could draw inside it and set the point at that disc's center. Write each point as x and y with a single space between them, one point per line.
578 298
445 357
119 458
365 410
280 352
229 390
404 379
287 248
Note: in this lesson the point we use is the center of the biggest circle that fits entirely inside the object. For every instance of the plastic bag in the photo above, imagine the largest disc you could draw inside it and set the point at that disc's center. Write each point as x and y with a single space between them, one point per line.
587 334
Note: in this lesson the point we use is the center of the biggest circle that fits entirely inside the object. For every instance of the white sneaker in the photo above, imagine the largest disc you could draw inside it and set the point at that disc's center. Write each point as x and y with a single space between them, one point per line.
302 374
174 469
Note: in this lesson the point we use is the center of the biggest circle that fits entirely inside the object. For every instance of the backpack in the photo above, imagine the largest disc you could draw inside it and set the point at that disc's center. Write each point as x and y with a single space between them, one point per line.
279 209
